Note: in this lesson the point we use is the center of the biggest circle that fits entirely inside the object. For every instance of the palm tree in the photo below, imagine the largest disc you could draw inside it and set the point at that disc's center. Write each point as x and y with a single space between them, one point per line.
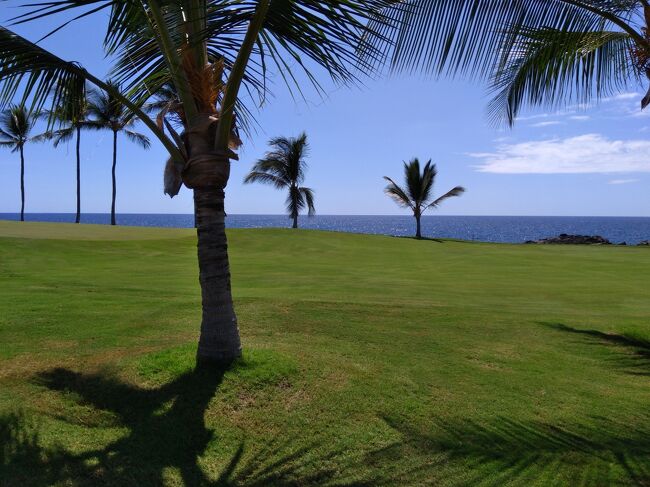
16 125
72 117
110 113
416 194
284 167
209 50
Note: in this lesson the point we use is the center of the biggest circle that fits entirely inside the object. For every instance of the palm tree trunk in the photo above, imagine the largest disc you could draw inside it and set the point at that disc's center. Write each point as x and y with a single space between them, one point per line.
294 205
207 173
219 342
22 184
418 233
78 217
113 222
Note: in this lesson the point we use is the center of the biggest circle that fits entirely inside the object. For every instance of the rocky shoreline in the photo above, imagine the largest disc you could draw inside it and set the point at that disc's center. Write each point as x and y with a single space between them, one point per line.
565 239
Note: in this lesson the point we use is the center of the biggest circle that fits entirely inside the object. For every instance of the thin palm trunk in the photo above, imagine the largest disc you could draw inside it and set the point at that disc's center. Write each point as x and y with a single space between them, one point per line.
219 342
418 233
78 217
22 184
113 222
294 211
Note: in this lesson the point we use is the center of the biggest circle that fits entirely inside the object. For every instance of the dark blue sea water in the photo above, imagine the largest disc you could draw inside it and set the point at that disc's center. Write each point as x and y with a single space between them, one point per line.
512 229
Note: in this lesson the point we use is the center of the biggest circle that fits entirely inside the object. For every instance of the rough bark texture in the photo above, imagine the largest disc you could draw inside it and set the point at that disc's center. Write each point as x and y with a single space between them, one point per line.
22 185
219 340
78 217
207 173
113 220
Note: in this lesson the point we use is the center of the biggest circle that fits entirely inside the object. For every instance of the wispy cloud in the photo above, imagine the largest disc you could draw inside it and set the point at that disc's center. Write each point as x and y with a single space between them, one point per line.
547 124
623 181
591 153
623 96
626 103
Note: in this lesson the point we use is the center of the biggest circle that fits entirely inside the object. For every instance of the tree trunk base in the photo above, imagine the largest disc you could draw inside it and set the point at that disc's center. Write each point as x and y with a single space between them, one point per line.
218 361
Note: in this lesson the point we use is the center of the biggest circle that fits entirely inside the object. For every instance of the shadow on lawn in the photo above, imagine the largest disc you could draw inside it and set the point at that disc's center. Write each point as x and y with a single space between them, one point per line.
635 358
165 428
507 452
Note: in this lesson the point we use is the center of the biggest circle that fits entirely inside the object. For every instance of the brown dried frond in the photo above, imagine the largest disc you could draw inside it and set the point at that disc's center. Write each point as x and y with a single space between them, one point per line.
205 82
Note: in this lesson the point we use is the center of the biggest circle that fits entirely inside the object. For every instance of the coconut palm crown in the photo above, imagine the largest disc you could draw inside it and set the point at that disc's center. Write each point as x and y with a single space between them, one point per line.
284 167
110 113
16 125
416 193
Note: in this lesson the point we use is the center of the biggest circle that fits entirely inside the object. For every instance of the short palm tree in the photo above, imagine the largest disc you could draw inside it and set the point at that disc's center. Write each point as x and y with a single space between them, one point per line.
72 117
416 193
110 113
284 167
211 50
16 125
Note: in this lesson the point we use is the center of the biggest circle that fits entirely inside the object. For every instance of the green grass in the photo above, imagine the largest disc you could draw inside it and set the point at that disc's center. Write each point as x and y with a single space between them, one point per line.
369 361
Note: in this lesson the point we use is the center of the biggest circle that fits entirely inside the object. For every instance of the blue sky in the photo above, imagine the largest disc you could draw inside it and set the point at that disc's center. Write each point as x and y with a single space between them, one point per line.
581 161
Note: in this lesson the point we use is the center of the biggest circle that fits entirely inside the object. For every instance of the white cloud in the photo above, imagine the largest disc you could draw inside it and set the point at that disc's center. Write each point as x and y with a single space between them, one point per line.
591 153
623 181
580 118
546 124
623 96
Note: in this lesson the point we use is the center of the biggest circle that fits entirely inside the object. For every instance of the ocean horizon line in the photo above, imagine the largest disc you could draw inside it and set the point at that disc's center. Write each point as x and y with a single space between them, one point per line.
360 215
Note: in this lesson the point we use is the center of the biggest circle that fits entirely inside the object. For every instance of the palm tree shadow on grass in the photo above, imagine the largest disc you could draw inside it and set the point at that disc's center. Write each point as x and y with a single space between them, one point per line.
506 452
635 352
165 429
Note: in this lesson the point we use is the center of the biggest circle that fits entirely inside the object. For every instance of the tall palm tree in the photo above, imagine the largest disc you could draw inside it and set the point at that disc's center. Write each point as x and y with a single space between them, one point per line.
72 117
110 113
16 125
284 167
416 193
208 50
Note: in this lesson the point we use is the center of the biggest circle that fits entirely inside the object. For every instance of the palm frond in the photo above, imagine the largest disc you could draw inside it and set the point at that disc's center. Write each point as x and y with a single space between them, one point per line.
457 191
37 73
138 138
308 195
16 122
442 36
398 194
295 202
413 180
553 67
265 178
62 135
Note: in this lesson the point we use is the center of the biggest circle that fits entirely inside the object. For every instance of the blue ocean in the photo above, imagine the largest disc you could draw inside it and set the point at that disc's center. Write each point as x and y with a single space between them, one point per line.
508 229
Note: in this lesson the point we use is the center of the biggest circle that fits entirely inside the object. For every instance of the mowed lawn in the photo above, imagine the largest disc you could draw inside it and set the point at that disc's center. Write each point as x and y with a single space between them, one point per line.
368 361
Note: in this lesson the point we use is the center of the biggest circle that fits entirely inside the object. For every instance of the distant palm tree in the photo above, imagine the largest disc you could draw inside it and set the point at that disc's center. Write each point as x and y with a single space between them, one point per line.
16 124
417 193
284 167
72 116
110 113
